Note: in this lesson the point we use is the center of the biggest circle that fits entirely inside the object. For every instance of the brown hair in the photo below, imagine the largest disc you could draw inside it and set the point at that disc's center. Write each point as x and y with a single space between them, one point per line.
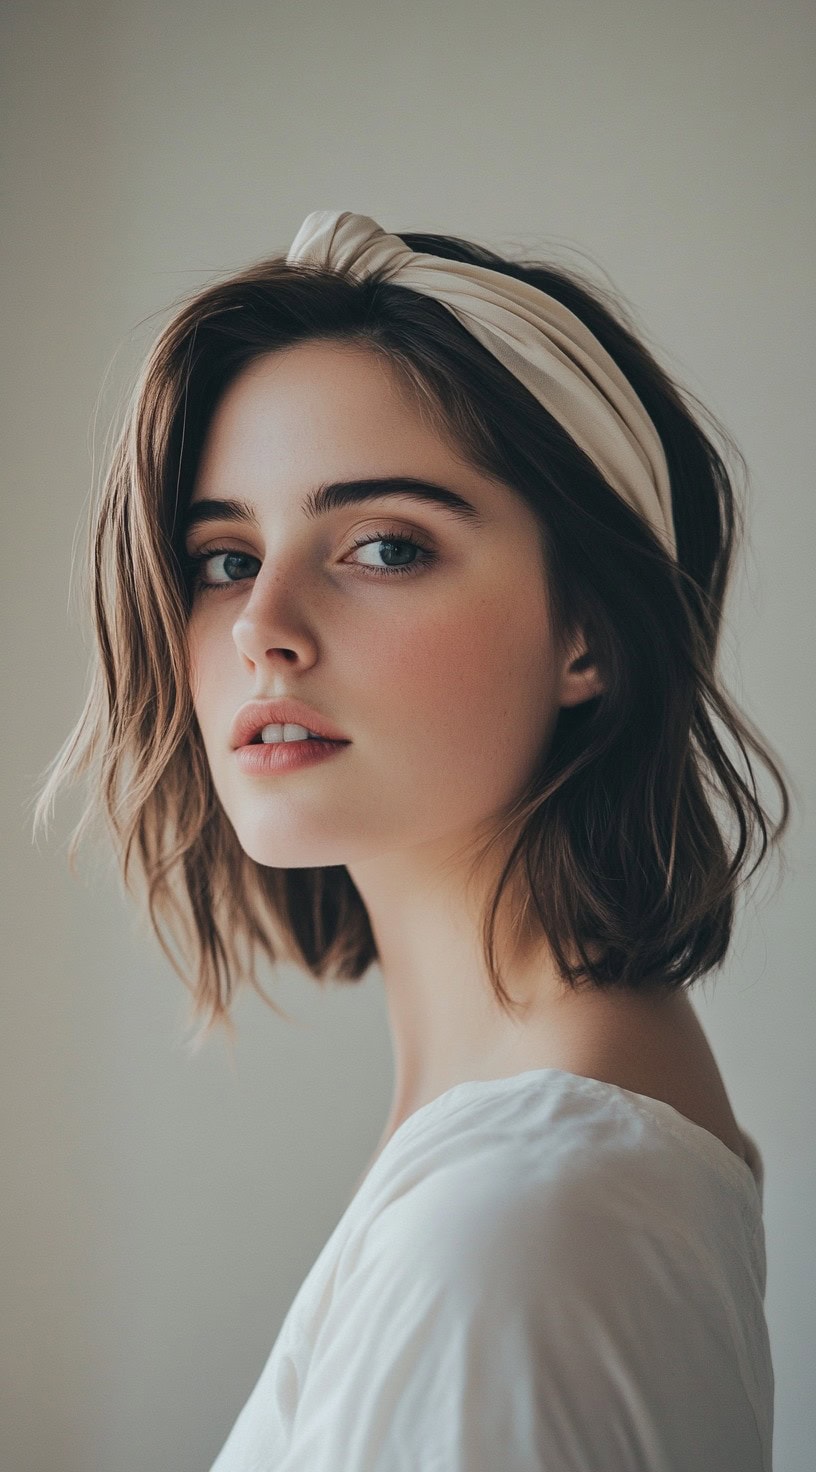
621 860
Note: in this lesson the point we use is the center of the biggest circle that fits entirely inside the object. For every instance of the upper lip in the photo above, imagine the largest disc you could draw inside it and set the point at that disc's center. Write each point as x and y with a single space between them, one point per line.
252 717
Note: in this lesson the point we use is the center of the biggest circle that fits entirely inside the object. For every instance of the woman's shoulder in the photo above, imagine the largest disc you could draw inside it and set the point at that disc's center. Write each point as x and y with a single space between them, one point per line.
661 1052
531 1165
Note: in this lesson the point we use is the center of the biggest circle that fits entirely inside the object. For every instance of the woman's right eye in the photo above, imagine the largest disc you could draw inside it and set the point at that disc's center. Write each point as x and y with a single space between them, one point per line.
196 564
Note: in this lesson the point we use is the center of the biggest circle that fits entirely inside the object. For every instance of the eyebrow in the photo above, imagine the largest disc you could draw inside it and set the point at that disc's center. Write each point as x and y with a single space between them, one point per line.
333 495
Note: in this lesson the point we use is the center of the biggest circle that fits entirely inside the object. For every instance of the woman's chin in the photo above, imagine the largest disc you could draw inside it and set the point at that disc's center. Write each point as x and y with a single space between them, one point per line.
295 850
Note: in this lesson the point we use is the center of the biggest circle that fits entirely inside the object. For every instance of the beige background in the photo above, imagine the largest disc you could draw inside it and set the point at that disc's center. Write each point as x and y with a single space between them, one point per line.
160 1210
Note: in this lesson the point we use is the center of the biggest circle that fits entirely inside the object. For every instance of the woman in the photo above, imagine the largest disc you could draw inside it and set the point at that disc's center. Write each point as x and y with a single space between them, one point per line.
446 512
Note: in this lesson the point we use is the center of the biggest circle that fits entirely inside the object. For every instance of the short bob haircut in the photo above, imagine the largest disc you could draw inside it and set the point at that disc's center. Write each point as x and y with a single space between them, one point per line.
622 864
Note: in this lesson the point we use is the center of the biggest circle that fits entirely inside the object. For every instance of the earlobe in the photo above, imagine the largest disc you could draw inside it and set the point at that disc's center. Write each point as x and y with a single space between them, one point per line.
583 689
582 679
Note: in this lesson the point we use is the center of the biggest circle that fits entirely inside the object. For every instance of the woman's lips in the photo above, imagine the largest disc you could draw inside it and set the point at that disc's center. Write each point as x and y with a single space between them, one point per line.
252 717
262 757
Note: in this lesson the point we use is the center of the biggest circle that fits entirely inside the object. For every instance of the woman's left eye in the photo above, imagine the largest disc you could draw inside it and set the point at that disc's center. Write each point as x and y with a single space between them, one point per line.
195 564
394 539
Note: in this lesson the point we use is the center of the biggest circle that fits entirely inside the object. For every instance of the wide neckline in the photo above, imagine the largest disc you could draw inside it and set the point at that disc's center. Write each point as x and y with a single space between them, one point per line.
696 1136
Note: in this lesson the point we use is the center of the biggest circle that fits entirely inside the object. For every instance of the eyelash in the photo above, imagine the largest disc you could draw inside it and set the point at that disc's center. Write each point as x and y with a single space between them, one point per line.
193 563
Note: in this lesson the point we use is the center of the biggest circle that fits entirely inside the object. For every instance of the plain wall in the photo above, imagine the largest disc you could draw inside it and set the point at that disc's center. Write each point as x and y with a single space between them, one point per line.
160 1210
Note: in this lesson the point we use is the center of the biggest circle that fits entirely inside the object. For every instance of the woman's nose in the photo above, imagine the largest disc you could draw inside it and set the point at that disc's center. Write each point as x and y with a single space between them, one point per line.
274 622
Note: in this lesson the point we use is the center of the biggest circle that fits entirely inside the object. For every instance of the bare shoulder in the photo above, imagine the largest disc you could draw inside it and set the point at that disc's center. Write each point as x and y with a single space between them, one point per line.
660 1050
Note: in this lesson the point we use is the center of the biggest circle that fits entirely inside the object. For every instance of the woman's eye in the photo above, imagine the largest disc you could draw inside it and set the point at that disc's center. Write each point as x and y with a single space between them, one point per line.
402 554
389 541
196 565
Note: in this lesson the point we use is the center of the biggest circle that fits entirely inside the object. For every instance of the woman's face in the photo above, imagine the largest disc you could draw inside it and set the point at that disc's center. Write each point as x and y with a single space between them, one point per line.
441 677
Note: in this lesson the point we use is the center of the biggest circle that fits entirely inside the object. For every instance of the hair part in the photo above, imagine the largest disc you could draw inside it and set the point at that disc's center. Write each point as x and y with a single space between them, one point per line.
615 855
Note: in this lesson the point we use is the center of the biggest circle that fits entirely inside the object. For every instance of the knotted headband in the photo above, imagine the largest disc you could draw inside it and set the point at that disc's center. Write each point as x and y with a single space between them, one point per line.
541 342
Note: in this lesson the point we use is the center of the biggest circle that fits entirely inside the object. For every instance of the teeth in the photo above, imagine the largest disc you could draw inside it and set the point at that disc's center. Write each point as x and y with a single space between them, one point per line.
272 733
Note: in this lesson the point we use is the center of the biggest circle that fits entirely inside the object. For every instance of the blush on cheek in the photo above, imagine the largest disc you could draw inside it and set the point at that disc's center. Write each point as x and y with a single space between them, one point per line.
427 661
467 684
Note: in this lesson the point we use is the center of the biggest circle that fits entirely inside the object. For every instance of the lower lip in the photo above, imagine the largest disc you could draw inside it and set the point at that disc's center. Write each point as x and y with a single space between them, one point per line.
285 756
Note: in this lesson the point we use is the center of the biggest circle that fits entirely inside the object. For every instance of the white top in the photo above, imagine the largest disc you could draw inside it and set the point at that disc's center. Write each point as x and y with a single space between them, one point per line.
538 1272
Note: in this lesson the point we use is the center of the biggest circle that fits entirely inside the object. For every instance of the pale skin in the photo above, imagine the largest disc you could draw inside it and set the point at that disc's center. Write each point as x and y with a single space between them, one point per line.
447 681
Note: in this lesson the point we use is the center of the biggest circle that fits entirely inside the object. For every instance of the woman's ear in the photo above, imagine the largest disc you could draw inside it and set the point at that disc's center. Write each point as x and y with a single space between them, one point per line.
580 677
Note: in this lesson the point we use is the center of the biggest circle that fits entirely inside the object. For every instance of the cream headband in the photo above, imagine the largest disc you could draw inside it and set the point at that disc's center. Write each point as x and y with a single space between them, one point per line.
541 342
